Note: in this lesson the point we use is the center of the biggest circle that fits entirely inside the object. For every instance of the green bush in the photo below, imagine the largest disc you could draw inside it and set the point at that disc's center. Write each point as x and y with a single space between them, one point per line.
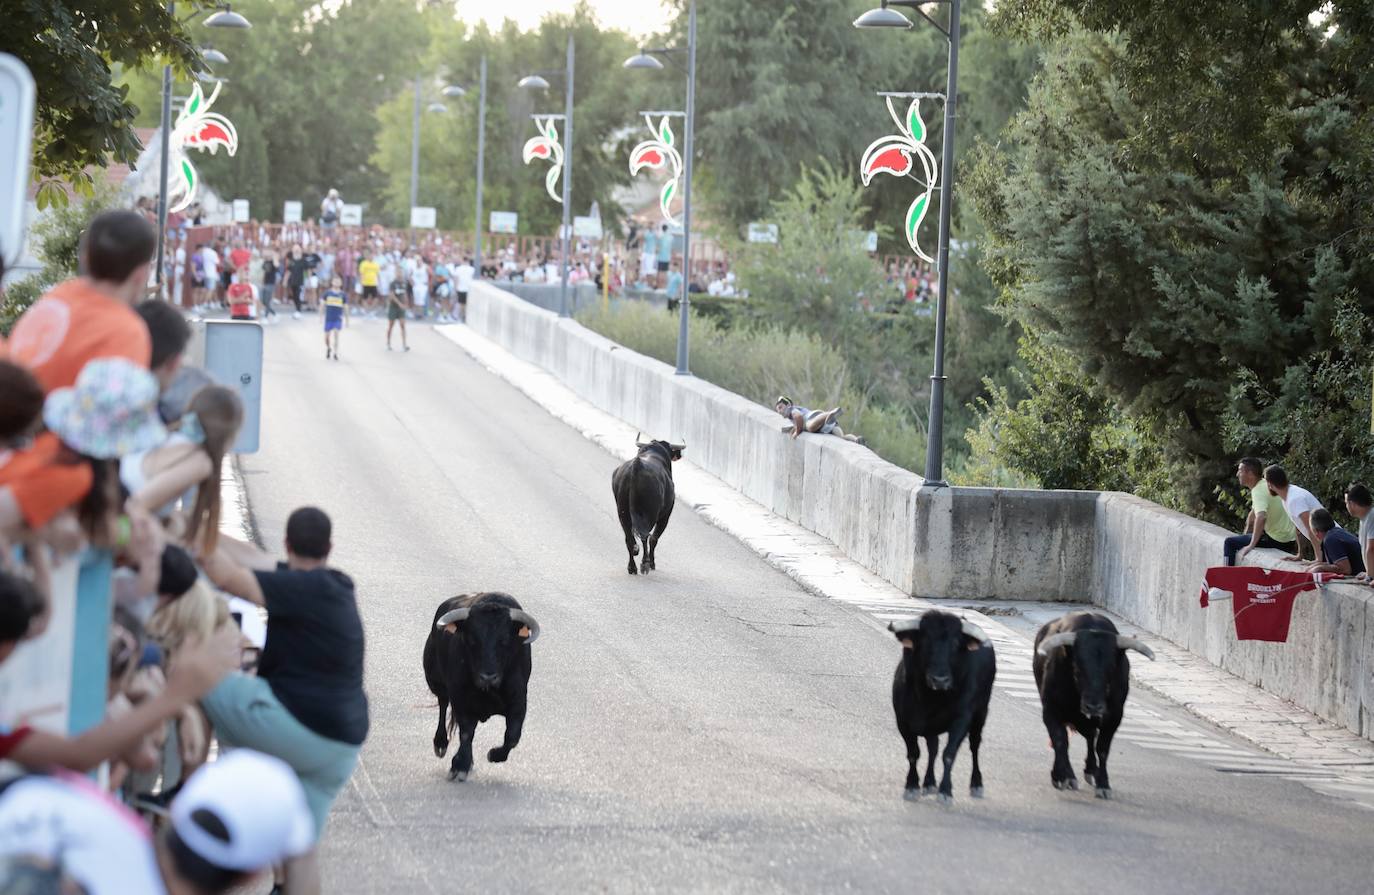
762 362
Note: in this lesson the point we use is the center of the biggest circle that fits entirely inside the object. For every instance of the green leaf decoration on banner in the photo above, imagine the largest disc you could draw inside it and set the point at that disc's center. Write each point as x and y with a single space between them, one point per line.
196 96
915 124
665 132
189 173
913 217
666 197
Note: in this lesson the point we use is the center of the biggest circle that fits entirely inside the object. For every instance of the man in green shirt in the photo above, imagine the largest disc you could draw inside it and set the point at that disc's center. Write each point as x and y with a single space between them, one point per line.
1268 524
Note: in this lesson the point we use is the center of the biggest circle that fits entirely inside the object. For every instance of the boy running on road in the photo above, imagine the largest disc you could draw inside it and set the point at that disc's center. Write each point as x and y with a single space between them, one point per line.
396 312
335 310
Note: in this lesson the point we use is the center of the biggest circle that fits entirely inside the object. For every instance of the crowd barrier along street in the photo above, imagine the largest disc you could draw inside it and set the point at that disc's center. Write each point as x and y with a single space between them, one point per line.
57 682
1135 558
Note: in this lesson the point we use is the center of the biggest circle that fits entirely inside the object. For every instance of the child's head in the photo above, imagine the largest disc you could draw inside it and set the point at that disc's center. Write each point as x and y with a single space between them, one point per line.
336 282
21 604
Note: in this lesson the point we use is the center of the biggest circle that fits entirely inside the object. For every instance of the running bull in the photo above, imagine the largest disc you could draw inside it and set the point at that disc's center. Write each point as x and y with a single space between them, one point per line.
943 684
1083 676
477 662
644 497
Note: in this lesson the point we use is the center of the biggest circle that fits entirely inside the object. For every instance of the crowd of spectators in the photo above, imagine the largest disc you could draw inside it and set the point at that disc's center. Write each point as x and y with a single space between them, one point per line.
112 447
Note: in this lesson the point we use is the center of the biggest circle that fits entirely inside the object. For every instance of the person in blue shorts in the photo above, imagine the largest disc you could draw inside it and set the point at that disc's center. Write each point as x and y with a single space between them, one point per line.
335 310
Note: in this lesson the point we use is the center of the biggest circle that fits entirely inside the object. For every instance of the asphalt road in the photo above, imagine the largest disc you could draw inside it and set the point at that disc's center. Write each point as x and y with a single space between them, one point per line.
708 728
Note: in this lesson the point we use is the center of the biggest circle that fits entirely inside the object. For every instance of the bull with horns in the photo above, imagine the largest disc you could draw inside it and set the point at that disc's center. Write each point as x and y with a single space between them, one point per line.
943 685
1083 676
477 663
644 497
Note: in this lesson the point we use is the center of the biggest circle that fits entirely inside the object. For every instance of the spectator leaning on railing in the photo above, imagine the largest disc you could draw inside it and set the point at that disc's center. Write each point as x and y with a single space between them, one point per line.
1359 502
1340 550
1267 524
1298 503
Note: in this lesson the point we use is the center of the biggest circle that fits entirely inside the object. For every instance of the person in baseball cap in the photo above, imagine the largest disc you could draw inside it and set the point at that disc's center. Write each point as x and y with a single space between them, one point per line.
233 820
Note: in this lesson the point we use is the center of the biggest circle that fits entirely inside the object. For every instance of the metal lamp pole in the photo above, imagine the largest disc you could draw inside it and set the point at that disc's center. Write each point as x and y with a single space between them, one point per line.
224 18
481 150
567 182
415 147
888 18
645 60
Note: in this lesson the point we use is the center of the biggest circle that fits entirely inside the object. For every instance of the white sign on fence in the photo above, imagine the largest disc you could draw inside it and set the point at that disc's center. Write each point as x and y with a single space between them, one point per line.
760 232
16 138
240 211
871 241
36 680
291 213
505 222
422 216
587 227
351 215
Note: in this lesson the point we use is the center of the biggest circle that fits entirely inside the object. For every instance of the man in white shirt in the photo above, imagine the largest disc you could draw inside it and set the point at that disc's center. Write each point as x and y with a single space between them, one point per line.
209 260
1299 503
419 286
463 275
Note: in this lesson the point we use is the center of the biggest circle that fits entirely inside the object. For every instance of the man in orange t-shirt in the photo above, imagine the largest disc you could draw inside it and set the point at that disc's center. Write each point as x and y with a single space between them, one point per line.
91 316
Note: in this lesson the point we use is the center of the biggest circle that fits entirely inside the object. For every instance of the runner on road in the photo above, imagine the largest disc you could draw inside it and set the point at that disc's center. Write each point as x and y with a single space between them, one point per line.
396 312
335 310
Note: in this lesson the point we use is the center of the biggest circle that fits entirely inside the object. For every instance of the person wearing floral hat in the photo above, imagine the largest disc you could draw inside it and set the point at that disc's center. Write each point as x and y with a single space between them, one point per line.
109 412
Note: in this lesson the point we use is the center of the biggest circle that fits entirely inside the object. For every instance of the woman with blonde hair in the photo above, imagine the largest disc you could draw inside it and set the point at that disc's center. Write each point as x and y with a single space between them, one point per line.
191 457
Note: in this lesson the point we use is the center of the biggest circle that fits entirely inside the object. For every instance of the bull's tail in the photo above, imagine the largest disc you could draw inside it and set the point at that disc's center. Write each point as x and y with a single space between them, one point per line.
452 722
641 525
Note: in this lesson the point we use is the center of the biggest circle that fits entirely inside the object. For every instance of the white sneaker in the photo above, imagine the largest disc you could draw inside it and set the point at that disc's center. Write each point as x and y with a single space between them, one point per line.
295 315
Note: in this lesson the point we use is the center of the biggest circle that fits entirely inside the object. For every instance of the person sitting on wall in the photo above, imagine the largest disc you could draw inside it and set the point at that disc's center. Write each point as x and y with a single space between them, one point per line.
1267 524
819 422
1340 550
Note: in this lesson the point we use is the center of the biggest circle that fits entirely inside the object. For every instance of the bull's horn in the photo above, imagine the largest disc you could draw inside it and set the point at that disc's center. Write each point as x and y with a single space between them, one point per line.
677 446
452 617
906 624
1055 641
524 618
638 443
972 630
1124 642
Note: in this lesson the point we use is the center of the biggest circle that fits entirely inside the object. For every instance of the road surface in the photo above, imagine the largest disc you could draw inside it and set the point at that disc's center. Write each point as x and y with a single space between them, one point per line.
710 727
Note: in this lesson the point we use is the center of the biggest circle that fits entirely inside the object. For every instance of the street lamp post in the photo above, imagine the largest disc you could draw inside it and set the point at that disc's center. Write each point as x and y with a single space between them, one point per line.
533 82
450 91
224 18
886 17
645 60
481 150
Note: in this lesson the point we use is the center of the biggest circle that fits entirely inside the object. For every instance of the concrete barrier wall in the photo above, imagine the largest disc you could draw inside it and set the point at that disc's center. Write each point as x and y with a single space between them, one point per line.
1131 556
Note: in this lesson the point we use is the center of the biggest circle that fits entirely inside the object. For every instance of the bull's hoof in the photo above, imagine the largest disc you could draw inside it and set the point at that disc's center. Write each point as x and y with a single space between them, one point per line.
440 748
631 568
975 792
946 798
460 776
1070 783
1104 792
930 789
1089 777
912 794
498 755
645 568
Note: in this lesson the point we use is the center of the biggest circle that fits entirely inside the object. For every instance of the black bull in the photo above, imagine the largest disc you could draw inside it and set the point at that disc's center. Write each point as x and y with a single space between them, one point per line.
943 684
477 663
644 497
1083 676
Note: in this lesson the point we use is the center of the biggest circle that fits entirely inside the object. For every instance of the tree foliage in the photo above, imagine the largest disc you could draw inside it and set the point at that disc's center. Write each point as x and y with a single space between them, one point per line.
83 119
1181 217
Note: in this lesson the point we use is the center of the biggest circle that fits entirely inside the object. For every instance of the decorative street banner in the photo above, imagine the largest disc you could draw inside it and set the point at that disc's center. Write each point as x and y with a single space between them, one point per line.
657 154
892 155
196 128
546 146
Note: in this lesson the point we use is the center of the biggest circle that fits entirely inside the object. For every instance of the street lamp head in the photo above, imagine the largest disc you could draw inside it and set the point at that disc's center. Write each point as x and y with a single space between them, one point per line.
533 82
453 91
882 17
437 107
213 56
227 18
643 60
206 77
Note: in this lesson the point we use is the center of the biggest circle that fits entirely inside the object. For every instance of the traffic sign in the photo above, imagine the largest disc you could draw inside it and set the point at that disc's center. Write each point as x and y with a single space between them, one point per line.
16 148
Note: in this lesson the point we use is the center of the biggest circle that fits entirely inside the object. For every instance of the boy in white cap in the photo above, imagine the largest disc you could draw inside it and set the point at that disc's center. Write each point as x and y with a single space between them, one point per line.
232 820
